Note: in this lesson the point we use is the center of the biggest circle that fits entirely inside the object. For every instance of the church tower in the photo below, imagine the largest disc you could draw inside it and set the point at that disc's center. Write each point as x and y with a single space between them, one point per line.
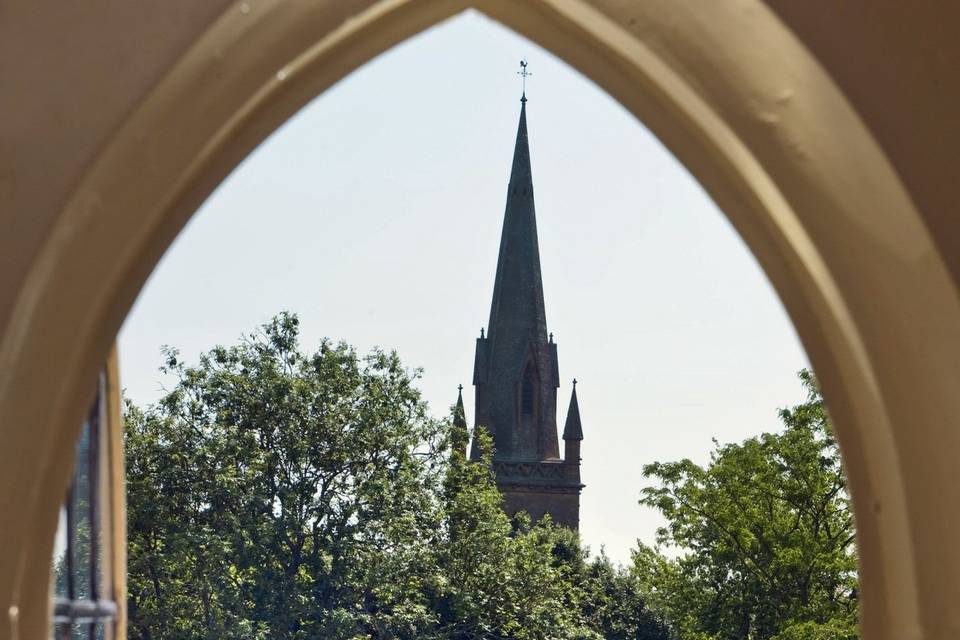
516 374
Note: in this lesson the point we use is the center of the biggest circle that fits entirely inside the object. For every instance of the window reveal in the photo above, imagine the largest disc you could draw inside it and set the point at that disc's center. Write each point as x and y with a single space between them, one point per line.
84 602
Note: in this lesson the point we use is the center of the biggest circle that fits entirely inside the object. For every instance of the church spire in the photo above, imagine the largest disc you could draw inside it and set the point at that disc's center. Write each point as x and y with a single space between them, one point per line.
515 371
518 289
516 364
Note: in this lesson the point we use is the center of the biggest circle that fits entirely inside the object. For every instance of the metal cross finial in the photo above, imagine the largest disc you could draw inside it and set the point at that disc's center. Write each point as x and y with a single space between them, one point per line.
460 388
523 73
574 382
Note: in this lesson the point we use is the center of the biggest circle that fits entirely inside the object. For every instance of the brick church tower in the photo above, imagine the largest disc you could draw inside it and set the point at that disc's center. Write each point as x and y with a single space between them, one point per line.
516 374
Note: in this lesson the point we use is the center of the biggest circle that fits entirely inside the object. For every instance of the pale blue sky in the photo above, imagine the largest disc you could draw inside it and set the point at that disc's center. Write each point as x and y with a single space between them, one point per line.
375 215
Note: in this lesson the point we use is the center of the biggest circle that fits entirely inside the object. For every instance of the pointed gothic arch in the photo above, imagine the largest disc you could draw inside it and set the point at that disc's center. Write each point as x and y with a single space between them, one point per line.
769 135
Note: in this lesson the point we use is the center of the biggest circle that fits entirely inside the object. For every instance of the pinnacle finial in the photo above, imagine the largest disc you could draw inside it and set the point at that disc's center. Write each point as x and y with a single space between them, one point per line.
481 333
572 430
460 437
524 74
551 336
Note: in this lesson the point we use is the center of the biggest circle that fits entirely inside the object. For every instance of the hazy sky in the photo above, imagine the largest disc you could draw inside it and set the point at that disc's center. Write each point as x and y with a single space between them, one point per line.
375 215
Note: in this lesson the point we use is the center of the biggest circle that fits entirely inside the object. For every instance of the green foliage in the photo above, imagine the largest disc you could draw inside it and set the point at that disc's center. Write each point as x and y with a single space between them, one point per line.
274 494
497 583
614 605
765 536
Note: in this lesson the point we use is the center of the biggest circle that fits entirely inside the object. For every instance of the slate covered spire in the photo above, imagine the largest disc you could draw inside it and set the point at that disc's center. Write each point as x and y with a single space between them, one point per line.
518 306
516 371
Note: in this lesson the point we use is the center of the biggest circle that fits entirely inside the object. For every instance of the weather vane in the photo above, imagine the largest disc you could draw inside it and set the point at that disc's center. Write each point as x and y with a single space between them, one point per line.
523 73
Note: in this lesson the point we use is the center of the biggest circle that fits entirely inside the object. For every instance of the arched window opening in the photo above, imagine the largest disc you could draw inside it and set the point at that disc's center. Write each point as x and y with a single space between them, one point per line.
531 403
528 393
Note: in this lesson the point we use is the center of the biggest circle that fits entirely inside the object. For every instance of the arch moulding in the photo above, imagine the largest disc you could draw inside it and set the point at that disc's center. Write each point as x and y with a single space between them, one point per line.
726 86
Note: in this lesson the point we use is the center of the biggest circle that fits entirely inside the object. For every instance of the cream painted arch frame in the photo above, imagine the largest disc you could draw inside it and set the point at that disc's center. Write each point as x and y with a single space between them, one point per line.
726 86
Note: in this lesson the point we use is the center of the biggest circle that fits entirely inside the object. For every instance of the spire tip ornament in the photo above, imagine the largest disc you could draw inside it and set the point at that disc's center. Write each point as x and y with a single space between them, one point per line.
524 74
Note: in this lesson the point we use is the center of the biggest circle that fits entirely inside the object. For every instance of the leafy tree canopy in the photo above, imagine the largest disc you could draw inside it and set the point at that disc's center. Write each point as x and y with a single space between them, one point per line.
764 537
274 493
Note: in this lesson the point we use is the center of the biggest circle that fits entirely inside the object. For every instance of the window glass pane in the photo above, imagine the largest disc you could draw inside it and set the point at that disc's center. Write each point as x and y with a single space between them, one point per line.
96 455
105 566
60 556
81 529
79 631
63 631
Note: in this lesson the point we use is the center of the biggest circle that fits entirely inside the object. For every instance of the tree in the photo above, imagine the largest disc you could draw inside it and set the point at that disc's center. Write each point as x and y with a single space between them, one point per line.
764 533
277 494
500 579
614 603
